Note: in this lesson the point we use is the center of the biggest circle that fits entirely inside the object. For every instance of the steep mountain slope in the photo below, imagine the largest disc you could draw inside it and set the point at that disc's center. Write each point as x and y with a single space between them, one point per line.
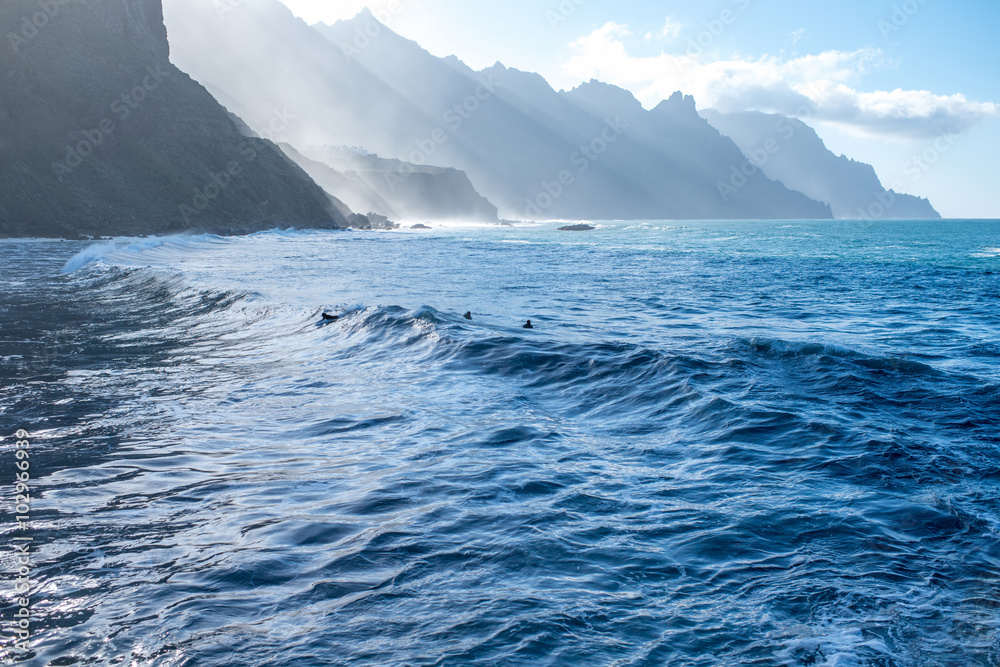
100 134
790 151
396 189
274 71
532 151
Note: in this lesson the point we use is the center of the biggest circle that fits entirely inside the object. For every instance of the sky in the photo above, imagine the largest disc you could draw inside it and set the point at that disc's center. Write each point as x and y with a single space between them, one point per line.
909 86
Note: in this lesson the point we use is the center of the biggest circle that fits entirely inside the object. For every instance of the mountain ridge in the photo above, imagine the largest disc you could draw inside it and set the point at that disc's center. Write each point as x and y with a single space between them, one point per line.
524 146
790 151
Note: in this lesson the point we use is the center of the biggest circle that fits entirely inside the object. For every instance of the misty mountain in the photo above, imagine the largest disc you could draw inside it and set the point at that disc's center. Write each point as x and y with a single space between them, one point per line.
536 153
100 134
393 188
788 150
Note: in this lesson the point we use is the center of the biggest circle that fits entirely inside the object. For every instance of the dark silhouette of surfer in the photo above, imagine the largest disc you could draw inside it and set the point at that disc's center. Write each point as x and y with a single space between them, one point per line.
468 315
528 325
330 318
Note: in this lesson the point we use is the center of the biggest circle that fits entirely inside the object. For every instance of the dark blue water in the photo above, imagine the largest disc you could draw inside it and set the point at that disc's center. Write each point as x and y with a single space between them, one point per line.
722 444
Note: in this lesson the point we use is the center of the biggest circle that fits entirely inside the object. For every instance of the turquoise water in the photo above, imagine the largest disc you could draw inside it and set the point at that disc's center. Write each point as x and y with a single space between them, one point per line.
724 443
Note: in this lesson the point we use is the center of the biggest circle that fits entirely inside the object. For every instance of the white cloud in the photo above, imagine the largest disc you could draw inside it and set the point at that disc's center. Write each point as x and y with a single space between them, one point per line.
797 35
823 86
670 30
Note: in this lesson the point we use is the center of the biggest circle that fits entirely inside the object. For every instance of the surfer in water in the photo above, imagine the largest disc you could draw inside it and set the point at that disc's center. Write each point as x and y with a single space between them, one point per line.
468 315
330 318
528 325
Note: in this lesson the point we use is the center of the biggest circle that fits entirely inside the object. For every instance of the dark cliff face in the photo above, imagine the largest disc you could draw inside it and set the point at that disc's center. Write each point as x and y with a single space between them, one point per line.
138 21
101 135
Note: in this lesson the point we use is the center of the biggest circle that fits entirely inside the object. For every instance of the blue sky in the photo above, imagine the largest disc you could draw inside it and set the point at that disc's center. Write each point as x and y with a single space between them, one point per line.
883 80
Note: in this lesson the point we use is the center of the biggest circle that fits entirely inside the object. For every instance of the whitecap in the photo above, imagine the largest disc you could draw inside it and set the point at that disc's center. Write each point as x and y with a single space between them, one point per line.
88 255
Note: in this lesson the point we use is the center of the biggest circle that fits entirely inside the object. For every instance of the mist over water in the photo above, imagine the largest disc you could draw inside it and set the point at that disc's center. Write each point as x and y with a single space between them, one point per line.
727 443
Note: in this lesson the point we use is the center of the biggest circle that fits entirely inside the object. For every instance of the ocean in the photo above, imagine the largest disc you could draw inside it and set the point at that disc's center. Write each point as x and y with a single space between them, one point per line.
723 443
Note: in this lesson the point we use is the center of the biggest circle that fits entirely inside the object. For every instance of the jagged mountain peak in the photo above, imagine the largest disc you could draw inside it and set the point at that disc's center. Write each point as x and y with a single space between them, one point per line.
604 96
365 15
677 102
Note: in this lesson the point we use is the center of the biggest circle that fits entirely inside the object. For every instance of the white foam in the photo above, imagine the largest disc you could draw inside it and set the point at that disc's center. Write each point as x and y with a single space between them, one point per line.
128 248
836 648
88 255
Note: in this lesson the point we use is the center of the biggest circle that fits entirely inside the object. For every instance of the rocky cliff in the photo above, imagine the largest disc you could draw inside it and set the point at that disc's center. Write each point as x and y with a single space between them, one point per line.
101 135
138 21
789 151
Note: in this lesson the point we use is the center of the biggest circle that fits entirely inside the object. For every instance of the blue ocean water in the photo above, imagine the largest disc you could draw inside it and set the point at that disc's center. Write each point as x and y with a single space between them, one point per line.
724 443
